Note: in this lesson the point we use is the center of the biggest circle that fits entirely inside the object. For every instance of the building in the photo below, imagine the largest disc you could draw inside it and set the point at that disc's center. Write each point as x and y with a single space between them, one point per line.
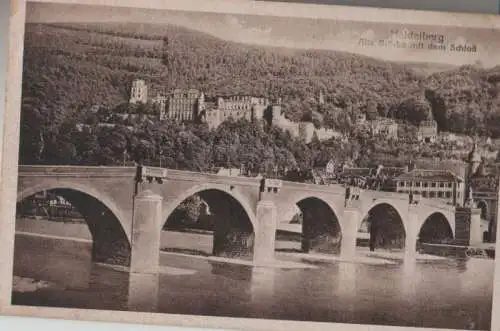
138 92
483 186
183 105
379 178
427 131
161 102
384 127
179 105
381 127
236 107
442 185
302 130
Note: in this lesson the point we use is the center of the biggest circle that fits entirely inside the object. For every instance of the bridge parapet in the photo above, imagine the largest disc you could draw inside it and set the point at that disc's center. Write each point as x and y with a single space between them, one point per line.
386 195
183 175
76 171
437 205
331 189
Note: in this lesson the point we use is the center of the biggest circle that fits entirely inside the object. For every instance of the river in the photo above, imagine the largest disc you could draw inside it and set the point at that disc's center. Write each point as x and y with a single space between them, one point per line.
437 293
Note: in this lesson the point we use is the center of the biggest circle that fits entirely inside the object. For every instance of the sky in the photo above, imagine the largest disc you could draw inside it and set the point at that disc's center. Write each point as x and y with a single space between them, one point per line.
305 33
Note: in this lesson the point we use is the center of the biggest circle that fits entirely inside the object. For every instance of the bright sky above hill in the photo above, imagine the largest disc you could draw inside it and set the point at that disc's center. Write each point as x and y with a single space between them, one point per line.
400 43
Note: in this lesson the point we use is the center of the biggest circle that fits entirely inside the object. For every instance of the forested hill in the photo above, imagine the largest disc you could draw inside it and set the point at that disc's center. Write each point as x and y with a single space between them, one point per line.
69 67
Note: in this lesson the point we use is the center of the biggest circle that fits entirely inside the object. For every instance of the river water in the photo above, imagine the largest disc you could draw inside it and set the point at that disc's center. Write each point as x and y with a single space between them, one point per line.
440 294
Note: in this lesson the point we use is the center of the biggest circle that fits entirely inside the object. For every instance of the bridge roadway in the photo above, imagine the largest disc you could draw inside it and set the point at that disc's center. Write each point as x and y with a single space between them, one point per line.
126 208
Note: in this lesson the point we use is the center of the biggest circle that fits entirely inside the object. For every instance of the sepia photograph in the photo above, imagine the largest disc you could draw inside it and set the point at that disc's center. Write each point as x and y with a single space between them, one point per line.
257 166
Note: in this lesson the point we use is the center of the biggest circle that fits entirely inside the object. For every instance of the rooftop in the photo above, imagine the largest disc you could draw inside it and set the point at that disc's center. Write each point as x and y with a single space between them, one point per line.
358 172
392 171
432 175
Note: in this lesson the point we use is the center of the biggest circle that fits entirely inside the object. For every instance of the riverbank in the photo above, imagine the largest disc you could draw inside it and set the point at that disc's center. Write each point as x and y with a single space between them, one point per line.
199 246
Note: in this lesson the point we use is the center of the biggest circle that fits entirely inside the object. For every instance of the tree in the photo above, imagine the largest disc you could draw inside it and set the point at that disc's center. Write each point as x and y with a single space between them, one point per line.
371 110
414 110
32 142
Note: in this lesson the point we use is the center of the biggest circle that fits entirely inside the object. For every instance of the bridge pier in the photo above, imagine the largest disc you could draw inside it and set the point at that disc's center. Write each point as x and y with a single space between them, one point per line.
349 233
468 226
411 236
265 234
144 266
476 236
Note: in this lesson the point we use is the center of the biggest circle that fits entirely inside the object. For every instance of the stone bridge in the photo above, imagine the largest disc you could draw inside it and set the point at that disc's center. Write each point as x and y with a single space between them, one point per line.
126 208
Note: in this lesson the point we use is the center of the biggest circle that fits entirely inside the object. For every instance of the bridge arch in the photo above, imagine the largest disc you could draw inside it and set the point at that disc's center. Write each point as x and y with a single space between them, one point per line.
321 224
386 224
171 205
106 222
235 220
385 202
435 228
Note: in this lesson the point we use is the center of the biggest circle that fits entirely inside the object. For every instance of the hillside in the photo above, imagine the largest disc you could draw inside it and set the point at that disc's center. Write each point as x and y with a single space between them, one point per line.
70 67
466 100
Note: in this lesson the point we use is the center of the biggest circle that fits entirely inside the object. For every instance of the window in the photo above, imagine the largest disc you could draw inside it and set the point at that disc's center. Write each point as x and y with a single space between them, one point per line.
448 195
417 184
424 194
440 194
426 184
450 185
433 184
441 184
432 194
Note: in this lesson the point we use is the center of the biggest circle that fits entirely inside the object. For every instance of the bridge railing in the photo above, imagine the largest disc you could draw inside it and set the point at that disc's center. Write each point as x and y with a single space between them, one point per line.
436 204
72 170
386 195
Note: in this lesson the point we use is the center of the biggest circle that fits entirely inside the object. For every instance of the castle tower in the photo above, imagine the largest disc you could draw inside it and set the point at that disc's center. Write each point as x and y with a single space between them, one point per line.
139 92
474 161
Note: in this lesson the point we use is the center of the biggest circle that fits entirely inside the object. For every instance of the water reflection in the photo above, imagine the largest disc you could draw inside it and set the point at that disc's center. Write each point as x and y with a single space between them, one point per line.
346 288
346 280
440 294
232 271
461 265
39 264
409 279
143 292
262 284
